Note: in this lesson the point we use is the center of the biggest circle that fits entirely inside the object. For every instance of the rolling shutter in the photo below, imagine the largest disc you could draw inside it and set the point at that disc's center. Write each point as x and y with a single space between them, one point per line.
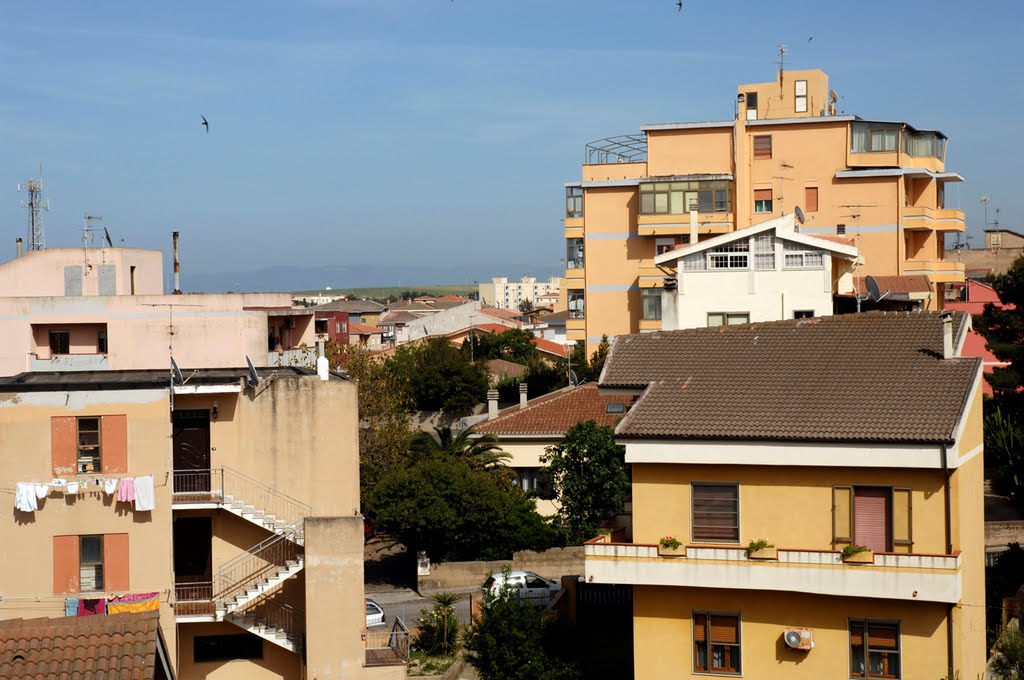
65 564
700 627
724 629
872 512
114 438
64 445
811 199
716 513
762 146
762 194
881 636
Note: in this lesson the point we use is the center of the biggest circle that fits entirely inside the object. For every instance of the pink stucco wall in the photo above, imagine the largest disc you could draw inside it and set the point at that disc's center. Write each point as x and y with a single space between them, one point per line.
41 272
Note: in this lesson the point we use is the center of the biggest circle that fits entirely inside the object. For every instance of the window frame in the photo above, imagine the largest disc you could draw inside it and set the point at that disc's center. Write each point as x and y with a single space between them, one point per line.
644 295
693 535
226 658
82 564
726 316
577 295
712 195
800 96
710 644
101 341
764 206
97 457
573 202
851 513
762 154
807 199
866 624
67 342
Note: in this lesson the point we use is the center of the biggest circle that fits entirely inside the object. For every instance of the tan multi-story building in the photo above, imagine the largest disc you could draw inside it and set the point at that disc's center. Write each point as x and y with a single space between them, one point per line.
807 499
1002 247
225 499
879 183
502 293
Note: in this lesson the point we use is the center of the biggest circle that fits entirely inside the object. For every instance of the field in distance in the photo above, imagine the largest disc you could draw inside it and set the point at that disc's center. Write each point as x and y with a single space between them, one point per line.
396 291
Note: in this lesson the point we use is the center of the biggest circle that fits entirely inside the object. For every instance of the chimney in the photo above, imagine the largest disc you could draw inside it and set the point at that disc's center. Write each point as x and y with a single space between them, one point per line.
18 242
947 335
177 265
522 394
670 304
492 404
693 226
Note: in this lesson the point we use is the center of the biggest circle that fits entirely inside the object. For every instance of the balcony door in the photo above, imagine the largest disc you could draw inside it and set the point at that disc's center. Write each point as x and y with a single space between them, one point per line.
191 451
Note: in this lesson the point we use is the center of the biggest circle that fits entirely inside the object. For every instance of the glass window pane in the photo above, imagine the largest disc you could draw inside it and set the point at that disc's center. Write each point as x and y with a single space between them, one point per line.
647 203
676 205
716 319
660 203
705 201
737 319
92 548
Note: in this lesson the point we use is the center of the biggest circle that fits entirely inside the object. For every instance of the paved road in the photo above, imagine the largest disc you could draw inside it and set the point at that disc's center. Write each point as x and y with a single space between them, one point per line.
407 604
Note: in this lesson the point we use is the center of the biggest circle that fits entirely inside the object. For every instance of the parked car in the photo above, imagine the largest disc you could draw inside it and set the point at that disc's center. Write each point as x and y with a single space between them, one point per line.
374 614
530 587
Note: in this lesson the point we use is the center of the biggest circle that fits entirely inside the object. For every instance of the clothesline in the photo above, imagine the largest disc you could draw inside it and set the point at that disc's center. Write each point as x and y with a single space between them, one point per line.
166 592
139 490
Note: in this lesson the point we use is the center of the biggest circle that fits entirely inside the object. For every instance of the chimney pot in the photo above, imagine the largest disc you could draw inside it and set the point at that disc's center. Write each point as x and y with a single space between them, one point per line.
947 335
523 394
492 404
18 242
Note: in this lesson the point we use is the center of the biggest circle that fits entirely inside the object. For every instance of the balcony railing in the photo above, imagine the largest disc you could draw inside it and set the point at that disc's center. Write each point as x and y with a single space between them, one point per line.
277 616
939 219
929 578
69 362
388 648
255 567
228 486
194 599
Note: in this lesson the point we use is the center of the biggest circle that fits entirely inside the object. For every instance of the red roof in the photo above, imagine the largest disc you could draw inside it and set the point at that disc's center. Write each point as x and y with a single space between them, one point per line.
555 413
837 239
549 347
916 283
362 329
978 295
481 327
507 314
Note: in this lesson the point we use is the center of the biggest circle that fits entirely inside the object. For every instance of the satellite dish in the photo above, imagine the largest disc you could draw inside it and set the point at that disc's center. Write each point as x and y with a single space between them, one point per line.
573 380
832 96
799 214
253 378
106 236
178 377
874 293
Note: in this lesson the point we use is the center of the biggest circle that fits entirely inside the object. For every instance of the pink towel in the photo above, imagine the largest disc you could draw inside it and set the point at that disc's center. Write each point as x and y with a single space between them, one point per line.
92 607
126 490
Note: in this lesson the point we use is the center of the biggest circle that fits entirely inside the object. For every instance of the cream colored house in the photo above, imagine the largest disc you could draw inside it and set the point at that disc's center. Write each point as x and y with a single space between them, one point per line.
807 499
244 531
505 294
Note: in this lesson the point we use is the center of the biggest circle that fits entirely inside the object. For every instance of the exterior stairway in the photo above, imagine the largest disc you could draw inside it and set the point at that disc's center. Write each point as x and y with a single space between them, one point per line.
274 622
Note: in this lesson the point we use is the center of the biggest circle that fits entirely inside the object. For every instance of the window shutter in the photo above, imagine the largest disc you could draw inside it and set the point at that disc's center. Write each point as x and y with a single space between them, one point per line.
842 529
700 627
811 199
65 564
856 634
872 514
114 442
115 561
881 636
762 194
762 146
724 629
715 512
64 445
902 532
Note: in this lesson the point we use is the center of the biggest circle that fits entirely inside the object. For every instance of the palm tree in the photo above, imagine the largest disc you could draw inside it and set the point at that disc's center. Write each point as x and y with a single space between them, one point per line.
479 451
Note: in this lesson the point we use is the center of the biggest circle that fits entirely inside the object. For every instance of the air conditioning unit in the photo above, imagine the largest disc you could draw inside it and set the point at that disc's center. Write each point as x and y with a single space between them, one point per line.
799 638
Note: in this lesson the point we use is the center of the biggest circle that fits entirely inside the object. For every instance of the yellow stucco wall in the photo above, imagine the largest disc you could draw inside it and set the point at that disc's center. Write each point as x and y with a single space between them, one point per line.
277 663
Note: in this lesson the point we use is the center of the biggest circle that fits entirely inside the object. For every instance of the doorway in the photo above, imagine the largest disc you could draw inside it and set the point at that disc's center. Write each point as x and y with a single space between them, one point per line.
191 438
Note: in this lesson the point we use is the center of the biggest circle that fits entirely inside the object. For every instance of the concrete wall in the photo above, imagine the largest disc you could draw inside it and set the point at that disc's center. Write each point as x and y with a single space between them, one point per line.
552 564
277 662
41 272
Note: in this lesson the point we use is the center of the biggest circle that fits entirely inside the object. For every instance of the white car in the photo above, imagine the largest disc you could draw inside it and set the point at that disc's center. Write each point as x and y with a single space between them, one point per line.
531 587
374 614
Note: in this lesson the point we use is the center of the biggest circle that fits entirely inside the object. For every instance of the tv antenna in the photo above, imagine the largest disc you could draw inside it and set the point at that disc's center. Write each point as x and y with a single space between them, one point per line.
35 205
984 200
87 228
783 51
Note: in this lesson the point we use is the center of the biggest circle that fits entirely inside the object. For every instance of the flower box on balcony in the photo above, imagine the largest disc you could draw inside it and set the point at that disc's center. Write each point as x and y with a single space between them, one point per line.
861 557
764 554
668 551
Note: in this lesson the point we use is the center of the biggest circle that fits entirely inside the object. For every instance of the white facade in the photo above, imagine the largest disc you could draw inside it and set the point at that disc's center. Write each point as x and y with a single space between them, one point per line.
768 272
505 295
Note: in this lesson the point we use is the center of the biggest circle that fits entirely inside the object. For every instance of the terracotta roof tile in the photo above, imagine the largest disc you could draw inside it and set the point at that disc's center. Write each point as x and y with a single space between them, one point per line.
917 283
362 329
549 347
555 413
856 377
350 306
110 647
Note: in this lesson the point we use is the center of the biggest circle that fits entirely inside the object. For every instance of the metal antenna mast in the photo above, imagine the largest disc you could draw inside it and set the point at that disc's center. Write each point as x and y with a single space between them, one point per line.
35 205
984 201
783 51
87 228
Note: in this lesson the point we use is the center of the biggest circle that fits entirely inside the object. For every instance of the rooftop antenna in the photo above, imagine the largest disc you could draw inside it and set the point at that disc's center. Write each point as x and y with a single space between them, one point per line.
984 201
87 228
783 51
35 205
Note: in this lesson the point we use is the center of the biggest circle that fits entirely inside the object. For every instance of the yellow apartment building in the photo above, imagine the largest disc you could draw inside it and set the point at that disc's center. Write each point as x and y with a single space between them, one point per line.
240 524
809 436
879 183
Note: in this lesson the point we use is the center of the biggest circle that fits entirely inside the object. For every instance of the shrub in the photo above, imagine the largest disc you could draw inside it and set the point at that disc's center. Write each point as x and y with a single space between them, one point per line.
438 627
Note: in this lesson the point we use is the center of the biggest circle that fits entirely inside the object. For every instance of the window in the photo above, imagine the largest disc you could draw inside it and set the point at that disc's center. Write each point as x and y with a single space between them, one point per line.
841 229
733 255
675 198
535 481
88 445
716 512
874 649
751 99
877 517
90 563
728 318
803 314
226 647
60 342
762 146
764 251
615 407
574 253
650 304
574 201
101 341
799 256
716 643
996 239
872 137
319 326
576 304
663 244
800 92
811 199
131 274
762 200
924 144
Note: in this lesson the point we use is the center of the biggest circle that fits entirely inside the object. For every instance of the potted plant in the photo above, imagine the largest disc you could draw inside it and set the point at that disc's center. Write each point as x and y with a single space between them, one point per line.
858 554
761 549
670 545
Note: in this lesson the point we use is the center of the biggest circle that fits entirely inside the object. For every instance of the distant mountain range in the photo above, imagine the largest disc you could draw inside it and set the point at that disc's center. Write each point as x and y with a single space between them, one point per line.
292 278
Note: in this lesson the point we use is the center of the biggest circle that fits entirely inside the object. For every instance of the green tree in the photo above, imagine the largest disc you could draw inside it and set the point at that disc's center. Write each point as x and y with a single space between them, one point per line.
589 370
480 451
1002 579
511 641
526 306
512 345
1004 452
1003 330
439 376
454 512
438 628
1008 660
589 475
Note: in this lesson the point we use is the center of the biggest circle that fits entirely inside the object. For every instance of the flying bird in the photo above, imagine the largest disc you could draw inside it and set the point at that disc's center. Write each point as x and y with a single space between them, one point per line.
205 124
810 39
679 5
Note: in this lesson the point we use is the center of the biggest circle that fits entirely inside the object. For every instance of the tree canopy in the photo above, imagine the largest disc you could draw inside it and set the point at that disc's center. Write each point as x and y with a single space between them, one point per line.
479 452
439 376
1003 330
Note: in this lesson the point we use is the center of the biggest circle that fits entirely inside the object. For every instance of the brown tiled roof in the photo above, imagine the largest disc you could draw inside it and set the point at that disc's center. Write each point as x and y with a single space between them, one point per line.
916 283
556 318
502 367
114 647
362 329
857 377
350 306
555 413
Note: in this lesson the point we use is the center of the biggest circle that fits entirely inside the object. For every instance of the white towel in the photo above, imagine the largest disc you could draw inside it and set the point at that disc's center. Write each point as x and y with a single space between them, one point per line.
72 489
57 481
25 497
145 498
109 486
42 490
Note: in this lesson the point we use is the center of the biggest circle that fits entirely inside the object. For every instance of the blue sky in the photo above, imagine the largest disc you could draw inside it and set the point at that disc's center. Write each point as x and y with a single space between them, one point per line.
436 132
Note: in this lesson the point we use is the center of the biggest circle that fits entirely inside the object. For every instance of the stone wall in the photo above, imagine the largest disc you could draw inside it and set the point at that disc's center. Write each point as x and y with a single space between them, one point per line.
552 564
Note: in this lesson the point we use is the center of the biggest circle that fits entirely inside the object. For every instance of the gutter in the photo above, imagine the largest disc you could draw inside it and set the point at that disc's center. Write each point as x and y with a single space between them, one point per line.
949 551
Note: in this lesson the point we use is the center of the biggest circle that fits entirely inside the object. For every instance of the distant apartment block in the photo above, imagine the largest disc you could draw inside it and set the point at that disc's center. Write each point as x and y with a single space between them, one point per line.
879 183
502 293
1002 247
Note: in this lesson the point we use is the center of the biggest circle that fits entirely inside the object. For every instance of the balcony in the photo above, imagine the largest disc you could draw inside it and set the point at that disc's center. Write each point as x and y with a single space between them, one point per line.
304 357
69 362
387 647
673 225
194 602
924 578
937 271
933 219
651 275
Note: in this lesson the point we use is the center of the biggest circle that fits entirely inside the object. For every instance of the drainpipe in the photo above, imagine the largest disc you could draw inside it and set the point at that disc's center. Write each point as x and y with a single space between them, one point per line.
949 551
18 242
177 265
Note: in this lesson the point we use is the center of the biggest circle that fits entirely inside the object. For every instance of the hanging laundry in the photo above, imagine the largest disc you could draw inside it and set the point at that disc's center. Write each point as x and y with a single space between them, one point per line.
25 497
72 489
92 606
109 486
133 603
42 490
145 498
58 483
126 490
71 606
